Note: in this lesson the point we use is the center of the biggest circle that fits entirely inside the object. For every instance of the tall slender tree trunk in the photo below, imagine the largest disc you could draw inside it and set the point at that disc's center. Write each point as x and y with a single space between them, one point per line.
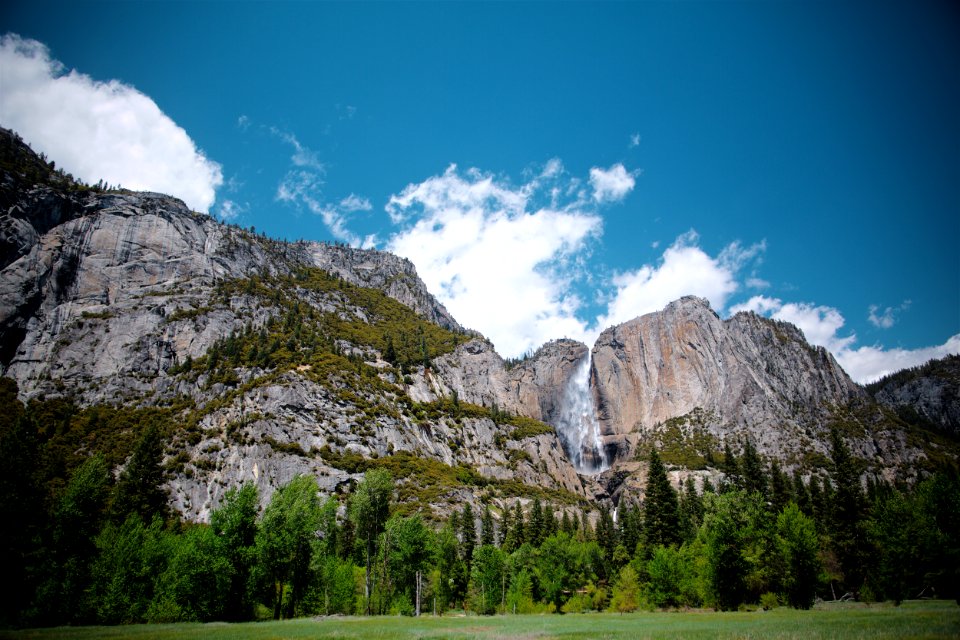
278 605
369 587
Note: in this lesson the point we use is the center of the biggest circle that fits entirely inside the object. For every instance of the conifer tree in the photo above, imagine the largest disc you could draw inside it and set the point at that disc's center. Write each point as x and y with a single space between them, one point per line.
468 534
751 470
780 488
536 529
549 521
487 532
566 525
505 526
849 536
140 488
661 516
801 494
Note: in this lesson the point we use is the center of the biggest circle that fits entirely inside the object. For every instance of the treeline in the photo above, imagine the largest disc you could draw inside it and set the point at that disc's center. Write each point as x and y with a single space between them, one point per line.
97 546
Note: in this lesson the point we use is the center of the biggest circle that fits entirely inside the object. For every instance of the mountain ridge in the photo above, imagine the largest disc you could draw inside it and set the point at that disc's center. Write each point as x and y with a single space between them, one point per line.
279 358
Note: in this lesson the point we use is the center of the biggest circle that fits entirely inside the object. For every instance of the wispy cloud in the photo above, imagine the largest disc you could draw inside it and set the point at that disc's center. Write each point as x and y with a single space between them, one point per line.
100 130
303 186
886 318
634 140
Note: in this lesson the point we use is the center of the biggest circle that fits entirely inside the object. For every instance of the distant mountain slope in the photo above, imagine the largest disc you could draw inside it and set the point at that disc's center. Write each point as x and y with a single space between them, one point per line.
929 394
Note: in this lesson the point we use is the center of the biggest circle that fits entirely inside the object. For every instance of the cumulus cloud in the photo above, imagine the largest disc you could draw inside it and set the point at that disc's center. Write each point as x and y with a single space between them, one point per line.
822 325
684 269
100 130
500 257
611 185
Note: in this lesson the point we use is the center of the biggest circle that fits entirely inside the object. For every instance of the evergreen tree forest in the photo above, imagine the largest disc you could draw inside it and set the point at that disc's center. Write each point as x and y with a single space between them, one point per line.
90 539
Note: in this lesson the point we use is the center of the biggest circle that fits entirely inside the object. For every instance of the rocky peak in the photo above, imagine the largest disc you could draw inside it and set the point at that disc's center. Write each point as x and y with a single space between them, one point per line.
749 374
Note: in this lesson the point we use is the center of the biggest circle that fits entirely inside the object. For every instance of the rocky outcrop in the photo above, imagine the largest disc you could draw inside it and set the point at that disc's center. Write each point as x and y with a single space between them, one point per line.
533 387
929 394
294 426
751 375
93 298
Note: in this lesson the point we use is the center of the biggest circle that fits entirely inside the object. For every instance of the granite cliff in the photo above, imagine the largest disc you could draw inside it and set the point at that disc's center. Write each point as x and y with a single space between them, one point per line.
273 359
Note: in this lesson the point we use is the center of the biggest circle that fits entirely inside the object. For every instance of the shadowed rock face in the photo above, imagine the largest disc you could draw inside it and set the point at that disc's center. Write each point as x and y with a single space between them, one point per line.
748 372
930 392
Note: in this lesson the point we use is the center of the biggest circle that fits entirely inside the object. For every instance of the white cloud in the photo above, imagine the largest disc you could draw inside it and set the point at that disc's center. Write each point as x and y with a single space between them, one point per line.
100 130
302 186
611 185
498 261
355 203
821 325
229 210
684 269
302 156
888 317
634 140
866 364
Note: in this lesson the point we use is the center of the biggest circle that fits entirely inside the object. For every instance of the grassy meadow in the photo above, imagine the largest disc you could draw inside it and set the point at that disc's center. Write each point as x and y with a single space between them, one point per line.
916 619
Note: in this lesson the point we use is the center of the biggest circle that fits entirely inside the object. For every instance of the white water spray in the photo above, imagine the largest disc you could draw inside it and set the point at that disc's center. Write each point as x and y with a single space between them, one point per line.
578 426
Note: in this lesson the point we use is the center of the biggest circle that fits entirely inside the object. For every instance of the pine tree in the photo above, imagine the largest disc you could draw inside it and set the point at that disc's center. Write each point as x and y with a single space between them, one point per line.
487 532
630 525
140 488
849 536
566 525
661 515
606 532
780 488
536 528
549 521
691 510
730 467
505 526
519 526
751 469
801 494
468 535
586 531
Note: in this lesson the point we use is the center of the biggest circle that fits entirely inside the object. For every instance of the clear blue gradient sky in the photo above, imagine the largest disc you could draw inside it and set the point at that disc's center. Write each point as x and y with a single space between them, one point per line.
799 159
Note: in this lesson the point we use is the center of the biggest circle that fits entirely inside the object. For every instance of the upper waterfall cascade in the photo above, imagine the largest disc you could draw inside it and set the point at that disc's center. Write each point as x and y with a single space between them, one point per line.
578 426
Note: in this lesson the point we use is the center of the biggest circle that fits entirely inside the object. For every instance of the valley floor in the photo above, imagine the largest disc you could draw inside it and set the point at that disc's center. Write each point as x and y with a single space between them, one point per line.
914 619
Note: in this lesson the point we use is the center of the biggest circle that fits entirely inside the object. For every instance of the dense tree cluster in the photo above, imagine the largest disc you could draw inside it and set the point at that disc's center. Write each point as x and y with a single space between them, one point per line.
100 546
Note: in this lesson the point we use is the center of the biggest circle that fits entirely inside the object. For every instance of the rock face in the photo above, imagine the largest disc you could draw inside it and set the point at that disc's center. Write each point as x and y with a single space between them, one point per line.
749 374
533 388
930 392
102 295
110 297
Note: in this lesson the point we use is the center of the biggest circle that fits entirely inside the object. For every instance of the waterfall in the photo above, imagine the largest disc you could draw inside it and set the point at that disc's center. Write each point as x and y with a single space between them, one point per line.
577 424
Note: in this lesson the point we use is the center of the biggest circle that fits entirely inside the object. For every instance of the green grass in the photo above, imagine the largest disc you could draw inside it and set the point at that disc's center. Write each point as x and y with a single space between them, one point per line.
927 619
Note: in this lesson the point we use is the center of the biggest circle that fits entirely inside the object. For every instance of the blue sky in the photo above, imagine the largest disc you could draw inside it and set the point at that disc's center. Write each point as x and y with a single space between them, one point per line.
550 168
